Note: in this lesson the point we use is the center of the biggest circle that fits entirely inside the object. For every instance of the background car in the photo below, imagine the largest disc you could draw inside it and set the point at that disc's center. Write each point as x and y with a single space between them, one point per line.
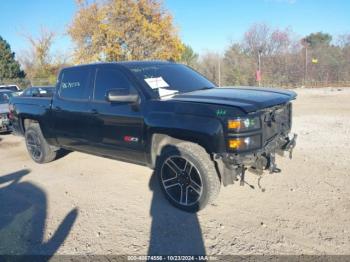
13 88
5 96
38 91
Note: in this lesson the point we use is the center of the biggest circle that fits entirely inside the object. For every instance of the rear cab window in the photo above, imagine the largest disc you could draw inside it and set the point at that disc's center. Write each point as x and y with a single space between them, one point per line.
74 83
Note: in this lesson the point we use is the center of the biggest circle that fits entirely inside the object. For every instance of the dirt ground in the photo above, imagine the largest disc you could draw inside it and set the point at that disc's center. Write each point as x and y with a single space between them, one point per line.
82 204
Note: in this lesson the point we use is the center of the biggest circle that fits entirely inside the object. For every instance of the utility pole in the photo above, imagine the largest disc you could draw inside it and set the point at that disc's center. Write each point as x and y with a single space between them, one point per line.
219 73
259 66
258 72
305 73
305 44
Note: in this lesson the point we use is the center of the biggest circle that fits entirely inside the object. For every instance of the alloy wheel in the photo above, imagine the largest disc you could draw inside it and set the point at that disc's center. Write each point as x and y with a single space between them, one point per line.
181 180
34 146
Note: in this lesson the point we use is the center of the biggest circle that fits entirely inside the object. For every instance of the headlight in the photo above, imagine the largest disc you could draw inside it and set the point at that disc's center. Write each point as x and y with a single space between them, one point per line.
243 124
244 143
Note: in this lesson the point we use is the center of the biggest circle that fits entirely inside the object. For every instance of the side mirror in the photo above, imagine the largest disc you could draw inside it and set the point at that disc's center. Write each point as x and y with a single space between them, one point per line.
121 95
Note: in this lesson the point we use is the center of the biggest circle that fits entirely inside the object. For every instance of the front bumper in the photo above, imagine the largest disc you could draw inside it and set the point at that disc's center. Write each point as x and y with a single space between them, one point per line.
232 165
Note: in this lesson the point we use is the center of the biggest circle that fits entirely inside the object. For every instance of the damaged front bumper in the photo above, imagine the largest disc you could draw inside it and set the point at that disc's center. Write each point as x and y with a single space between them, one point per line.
231 165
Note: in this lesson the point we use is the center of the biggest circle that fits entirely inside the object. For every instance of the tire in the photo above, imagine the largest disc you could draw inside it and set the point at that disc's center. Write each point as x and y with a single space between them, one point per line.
187 176
39 150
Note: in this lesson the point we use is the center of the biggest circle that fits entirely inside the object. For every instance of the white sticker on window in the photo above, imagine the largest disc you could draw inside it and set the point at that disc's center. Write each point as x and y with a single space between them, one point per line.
156 82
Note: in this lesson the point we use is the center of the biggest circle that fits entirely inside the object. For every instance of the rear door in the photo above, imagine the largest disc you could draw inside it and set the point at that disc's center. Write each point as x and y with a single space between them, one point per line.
118 126
70 108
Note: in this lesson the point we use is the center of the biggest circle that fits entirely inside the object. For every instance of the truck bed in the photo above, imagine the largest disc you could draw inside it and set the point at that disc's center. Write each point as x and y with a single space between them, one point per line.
35 108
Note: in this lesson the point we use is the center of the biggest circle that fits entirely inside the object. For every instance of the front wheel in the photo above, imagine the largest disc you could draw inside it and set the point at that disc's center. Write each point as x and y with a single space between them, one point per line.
187 176
39 150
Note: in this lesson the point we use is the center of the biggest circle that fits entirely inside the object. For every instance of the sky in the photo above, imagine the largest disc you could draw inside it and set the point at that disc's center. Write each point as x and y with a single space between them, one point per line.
203 24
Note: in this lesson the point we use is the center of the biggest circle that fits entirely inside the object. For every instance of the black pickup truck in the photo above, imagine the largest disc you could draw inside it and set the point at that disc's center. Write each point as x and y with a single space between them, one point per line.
163 115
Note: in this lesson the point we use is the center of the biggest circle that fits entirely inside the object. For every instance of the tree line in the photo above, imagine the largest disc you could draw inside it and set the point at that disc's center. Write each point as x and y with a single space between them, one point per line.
286 60
118 30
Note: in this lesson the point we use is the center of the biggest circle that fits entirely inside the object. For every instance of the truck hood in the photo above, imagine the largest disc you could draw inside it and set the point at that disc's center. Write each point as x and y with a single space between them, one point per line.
4 108
249 99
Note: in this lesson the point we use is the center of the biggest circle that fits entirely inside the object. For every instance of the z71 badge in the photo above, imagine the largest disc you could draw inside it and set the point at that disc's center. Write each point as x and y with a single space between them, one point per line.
131 139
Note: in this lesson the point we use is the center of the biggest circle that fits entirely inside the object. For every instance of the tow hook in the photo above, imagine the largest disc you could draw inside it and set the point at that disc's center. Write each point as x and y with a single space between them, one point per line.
242 180
289 146
272 164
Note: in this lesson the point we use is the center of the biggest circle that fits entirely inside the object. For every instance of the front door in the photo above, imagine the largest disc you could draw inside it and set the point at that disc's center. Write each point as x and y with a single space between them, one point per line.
118 126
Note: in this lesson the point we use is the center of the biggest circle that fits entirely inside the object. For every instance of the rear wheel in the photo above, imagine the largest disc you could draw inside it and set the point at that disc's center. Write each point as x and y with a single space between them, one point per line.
39 150
188 176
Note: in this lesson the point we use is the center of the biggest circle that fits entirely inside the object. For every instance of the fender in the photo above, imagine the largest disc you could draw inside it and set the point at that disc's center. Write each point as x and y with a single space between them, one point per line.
205 131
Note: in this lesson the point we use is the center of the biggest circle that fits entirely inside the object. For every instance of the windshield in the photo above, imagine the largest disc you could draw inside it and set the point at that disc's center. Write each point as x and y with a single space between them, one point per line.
167 79
5 97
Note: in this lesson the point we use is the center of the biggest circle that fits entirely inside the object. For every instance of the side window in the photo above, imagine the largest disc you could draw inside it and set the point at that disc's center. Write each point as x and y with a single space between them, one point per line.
28 92
74 83
108 79
35 92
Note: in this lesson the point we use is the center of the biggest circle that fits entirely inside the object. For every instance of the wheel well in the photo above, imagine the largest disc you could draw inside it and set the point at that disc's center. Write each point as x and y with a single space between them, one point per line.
161 140
27 122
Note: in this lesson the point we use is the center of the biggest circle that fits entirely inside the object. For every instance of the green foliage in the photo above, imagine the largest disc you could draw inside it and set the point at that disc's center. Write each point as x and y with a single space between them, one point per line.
238 67
9 67
318 39
189 57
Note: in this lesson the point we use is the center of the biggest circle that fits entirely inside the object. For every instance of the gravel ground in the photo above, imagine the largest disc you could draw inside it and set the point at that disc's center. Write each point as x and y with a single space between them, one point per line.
82 204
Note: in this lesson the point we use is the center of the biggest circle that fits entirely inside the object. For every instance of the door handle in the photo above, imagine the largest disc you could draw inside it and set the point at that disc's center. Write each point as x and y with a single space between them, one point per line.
94 111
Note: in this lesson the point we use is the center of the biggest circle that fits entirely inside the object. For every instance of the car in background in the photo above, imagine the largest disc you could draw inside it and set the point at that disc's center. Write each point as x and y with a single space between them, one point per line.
13 88
38 91
5 96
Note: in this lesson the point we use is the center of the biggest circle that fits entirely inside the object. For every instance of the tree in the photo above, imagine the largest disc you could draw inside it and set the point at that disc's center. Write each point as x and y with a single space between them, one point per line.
124 30
318 39
344 40
40 66
40 46
209 66
9 67
262 38
189 57
279 52
239 68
